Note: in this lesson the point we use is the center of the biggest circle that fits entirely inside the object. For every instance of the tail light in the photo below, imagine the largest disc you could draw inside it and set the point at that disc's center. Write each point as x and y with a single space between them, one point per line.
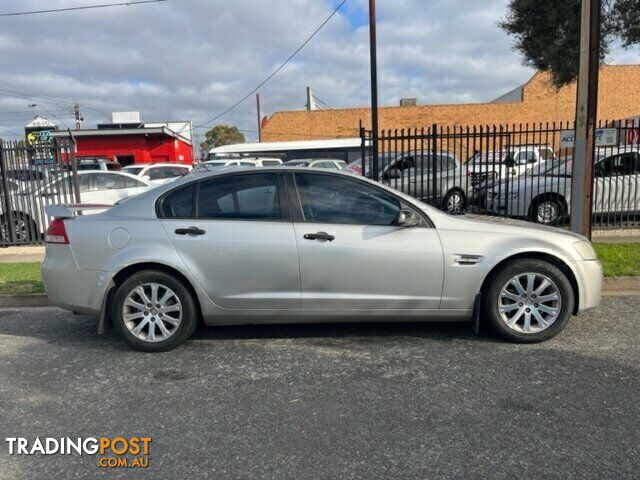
57 232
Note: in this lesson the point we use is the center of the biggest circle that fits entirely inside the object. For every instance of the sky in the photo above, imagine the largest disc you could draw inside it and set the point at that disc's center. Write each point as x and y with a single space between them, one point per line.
192 59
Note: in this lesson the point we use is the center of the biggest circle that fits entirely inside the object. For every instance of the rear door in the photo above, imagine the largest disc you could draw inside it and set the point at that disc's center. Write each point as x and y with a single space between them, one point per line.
235 235
352 256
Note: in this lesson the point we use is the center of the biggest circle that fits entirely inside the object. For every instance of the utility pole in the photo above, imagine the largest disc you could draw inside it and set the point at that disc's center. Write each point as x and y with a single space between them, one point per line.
586 111
259 119
374 87
76 114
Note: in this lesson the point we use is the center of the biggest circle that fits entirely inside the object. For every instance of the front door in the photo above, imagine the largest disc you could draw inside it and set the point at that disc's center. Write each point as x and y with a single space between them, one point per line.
238 240
352 256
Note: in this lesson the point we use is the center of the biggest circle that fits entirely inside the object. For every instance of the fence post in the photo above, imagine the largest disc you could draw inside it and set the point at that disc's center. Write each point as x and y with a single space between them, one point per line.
8 216
363 147
75 183
434 151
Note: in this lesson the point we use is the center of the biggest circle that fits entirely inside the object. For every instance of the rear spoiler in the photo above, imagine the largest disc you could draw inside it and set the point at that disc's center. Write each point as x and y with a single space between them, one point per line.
70 210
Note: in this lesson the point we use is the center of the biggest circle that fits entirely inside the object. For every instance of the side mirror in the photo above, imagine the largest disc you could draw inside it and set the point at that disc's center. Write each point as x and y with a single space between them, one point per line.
393 173
407 218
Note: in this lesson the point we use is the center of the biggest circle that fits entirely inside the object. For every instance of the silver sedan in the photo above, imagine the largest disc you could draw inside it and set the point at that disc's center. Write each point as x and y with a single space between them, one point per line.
290 244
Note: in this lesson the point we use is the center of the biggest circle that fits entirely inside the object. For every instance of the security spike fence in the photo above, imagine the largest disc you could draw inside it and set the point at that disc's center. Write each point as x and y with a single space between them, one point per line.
32 177
517 171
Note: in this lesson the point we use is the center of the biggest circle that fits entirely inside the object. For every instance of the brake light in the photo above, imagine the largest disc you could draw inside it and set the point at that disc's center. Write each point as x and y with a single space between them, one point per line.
57 232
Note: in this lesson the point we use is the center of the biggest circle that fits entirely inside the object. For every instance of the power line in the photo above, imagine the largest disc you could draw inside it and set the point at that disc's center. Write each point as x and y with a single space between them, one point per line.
321 102
45 99
82 7
273 74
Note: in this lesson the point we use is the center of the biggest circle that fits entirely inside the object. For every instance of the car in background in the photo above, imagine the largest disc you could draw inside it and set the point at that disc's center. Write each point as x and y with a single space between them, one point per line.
495 165
439 180
289 244
97 163
211 165
543 195
158 173
27 218
328 163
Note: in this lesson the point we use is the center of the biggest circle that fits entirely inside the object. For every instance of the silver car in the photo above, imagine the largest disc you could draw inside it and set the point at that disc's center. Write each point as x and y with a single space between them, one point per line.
277 245
543 194
442 182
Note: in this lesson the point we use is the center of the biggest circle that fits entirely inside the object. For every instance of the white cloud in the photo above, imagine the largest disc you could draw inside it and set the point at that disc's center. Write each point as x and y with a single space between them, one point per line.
190 59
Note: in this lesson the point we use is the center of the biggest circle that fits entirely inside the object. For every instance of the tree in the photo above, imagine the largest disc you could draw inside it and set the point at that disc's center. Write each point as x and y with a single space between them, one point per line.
547 32
220 135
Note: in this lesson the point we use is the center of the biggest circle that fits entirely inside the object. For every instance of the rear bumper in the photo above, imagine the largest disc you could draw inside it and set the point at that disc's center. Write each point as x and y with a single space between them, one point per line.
68 286
589 279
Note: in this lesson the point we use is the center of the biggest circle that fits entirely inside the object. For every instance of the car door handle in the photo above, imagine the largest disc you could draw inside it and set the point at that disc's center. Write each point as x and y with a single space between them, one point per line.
319 236
190 231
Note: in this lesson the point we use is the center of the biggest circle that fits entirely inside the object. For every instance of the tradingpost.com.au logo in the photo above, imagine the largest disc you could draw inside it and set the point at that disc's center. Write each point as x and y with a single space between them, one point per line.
117 452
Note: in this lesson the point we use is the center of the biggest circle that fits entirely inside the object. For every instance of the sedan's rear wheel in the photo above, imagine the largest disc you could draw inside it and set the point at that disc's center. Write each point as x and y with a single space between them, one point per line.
529 300
154 312
454 202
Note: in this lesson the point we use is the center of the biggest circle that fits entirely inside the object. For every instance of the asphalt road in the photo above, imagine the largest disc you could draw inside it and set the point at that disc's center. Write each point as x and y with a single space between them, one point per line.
330 401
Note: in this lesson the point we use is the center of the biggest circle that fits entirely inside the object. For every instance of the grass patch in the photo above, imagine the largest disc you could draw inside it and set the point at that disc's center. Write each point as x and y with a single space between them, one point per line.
20 278
619 259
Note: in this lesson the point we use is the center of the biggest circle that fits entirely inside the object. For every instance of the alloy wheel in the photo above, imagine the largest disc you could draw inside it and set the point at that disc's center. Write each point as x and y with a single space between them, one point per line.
529 303
454 203
152 312
548 212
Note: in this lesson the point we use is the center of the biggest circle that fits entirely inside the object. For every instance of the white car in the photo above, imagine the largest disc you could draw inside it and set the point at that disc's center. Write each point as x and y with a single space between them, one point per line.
28 220
490 166
328 163
243 162
158 173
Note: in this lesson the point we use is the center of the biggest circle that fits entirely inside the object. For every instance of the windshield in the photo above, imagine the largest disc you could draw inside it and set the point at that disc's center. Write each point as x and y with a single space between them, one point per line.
133 170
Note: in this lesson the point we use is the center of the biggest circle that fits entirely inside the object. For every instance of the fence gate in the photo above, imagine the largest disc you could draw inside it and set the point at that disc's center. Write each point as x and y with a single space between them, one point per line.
30 178
516 171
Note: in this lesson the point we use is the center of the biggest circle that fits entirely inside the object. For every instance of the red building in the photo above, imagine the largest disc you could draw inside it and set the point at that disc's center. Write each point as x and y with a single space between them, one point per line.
144 144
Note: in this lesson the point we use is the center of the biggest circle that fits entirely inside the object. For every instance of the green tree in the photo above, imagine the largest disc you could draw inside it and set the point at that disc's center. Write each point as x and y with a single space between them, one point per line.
220 135
547 32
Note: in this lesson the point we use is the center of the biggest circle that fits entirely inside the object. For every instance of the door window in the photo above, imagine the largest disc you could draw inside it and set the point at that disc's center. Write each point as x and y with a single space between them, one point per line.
616 165
240 197
160 173
179 203
331 199
522 158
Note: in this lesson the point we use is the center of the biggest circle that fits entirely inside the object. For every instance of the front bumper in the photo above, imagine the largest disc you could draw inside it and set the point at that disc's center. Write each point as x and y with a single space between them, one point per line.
68 286
589 278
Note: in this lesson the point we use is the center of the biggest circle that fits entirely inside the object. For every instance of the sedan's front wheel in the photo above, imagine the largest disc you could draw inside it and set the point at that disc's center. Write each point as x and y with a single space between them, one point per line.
529 300
154 312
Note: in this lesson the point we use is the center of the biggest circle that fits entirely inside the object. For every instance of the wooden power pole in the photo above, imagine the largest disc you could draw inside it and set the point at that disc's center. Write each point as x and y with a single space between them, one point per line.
586 111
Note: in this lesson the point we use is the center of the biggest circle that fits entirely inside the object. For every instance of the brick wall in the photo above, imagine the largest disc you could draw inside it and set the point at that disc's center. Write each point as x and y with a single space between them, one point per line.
619 97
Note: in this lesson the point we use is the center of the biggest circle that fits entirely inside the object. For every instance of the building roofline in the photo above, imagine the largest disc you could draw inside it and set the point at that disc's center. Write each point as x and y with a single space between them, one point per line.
112 132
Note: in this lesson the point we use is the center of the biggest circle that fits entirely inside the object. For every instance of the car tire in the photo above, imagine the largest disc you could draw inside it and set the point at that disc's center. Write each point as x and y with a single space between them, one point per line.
452 199
167 323
547 211
25 229
509 308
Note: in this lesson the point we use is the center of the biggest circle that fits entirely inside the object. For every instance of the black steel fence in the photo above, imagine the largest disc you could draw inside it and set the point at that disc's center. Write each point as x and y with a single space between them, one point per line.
32 177
517 171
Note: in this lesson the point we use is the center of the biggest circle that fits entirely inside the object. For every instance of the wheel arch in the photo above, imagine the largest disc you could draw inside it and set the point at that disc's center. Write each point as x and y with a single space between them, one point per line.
545 196
552 259
132 269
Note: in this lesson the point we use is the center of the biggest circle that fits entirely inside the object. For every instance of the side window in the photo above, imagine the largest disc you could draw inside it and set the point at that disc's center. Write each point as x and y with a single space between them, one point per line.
447 163
133 183
107 181
241 197
85 183
329 165
405 163
179 203
270 163
331 199
546 154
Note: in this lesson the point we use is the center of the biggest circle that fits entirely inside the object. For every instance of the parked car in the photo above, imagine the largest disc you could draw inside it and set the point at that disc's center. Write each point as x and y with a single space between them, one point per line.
490 165
544 196
97 163
328 163
96 187
292 244
241 162
413 173
158 173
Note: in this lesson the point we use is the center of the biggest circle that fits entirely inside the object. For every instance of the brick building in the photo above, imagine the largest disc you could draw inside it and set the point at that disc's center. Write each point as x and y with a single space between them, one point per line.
535 101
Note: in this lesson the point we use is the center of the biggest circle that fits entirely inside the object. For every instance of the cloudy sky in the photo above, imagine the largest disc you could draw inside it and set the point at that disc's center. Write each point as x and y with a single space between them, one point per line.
191 59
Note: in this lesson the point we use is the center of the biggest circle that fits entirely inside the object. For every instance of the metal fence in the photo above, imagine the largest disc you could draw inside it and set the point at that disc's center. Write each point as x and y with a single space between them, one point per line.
516 171
30 178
